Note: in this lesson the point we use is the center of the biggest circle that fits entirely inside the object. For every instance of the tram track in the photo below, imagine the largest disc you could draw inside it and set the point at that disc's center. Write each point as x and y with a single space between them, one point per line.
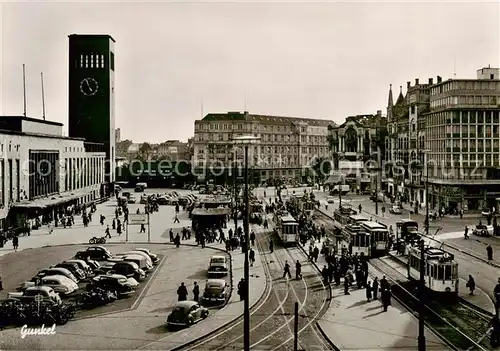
272 320
460 325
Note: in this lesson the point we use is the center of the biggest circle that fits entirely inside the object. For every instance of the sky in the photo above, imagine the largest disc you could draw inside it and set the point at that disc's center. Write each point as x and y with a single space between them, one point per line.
177 61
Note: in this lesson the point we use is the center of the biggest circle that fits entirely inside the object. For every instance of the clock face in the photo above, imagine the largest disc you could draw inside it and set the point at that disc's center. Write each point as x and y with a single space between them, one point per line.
89 86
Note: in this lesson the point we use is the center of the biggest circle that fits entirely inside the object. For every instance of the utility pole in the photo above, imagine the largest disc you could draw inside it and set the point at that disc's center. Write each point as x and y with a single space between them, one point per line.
235 208
296 328
246 224
421 302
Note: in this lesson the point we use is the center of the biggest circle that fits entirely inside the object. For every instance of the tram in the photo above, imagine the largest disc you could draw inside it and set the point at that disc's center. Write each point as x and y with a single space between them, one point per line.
308 207
379 237
441 273
288 229
341 216
356 219
359 240
407 230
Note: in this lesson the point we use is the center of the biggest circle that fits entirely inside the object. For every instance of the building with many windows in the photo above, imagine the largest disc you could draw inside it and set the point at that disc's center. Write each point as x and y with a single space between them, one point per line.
41 170
462 136
359 139
287 145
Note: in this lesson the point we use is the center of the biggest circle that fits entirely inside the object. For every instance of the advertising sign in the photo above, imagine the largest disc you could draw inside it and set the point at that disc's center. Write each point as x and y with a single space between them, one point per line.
137 219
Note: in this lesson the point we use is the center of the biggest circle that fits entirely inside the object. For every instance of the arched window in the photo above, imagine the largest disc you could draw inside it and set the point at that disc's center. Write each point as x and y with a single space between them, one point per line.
351 140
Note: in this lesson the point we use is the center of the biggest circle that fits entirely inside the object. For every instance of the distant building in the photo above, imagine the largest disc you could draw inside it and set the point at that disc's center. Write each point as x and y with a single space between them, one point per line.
172 150
287 145
355 142
118 135
43 172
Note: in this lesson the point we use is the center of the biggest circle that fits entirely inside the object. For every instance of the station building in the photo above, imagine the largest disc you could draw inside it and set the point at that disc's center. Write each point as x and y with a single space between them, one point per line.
42 171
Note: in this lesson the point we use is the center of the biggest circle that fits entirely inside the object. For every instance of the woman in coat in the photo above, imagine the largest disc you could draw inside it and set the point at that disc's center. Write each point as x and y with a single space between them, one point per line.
368 290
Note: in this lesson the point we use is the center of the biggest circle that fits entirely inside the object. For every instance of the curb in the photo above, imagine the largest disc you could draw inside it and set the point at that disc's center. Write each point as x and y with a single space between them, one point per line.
323 334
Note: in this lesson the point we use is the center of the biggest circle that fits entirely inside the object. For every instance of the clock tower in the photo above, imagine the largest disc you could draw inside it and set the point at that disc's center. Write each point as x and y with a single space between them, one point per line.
92 93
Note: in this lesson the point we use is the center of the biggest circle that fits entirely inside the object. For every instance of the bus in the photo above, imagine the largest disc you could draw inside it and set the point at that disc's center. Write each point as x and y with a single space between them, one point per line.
379 237
288 230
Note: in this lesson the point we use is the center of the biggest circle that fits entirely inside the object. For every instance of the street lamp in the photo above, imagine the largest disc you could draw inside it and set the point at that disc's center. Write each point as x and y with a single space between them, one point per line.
421 303
246 141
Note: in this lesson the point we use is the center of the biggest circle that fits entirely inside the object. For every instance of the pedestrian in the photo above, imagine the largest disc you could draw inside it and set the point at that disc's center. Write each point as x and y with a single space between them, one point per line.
368 291
286 270
375 288
106 232
176 219
466 233
360 208
196 292
171 235
15 242
182 292
471 284
113 224
177 240
242 289
251 257
298 270
271 246
346 285
386 298
252 238
489 251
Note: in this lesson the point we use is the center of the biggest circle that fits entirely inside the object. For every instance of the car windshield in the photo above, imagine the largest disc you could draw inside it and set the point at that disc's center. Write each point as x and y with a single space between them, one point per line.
213 288
122 280
32 292
218 260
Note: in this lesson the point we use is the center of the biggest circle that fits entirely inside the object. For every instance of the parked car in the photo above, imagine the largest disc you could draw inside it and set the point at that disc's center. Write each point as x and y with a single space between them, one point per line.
217 266
97 253
395 209
117 283
216 290
84 266
154 257
485 212
149 262
61 284
29 294
131 199
56 271
330 199
73 268
137 259
483 230
186 313
128 269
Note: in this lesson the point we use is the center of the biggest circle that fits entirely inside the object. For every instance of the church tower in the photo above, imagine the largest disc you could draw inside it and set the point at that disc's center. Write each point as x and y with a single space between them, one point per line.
390 104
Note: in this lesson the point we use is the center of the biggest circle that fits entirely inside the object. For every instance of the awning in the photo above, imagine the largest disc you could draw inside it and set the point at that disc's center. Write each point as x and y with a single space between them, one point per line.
211 212
51 201
334 179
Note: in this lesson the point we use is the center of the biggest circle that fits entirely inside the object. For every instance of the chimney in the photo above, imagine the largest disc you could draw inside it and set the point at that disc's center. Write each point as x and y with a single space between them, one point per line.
379 113
431 81
408 85
416 81
439 79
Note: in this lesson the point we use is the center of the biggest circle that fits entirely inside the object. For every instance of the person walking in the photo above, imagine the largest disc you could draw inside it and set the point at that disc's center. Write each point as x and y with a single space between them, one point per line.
471 284
15 242
466 233
375 288
251 257
298 270
286 270
182 292
176 219
489 251
196 292
107 233
252 238
368 291
271 246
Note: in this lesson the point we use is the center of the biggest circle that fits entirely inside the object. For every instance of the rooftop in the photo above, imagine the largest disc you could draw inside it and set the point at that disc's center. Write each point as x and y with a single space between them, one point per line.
245 116
90 36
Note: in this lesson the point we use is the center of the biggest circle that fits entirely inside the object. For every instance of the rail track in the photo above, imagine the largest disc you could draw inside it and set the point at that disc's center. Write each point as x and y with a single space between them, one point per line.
272 320
462 326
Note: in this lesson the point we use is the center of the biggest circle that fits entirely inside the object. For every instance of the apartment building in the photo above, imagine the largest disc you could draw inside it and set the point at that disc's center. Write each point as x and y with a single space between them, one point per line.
286 147
462 136
405 149
359 139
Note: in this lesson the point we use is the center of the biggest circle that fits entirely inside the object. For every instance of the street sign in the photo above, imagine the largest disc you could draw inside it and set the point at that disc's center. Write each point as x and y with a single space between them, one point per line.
137 219
38 300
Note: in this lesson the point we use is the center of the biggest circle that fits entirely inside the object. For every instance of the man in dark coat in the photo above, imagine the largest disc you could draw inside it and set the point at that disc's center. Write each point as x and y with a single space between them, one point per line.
386 298
489 251
196 292
182 292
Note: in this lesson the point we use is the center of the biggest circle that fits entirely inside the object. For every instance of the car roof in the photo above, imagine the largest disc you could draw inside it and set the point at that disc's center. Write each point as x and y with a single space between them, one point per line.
58 269
220 282
47 289
186 304
224 257
142 249
113 276
56 277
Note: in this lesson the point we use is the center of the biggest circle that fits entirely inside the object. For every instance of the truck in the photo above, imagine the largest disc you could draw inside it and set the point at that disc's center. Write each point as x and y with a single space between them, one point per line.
344 189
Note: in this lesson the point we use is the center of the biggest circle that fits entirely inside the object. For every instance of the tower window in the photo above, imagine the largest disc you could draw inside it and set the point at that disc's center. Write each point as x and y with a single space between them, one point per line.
102 61
81 61
86 61
112 61
92 61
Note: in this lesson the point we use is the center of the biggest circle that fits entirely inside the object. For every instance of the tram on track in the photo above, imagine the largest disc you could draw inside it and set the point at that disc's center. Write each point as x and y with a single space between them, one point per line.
359 240
379 237
288 229
357 219
341 216
441 270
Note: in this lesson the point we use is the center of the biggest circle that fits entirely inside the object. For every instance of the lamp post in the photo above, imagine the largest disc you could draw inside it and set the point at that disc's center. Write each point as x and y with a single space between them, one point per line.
246 141
421 302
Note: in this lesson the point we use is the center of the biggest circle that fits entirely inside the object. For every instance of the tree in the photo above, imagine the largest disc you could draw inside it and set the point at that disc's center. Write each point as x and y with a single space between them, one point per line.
145 151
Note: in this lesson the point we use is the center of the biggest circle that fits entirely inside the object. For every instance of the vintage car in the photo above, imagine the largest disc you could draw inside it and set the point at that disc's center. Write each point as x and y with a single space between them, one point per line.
154 257
217 266
330 199
485 212
61 284
74 268
129 270
116 283
149 262
483 230
186 313
141 261
84 266
395 210
97 253
131 199
216 290
29 294
57 271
